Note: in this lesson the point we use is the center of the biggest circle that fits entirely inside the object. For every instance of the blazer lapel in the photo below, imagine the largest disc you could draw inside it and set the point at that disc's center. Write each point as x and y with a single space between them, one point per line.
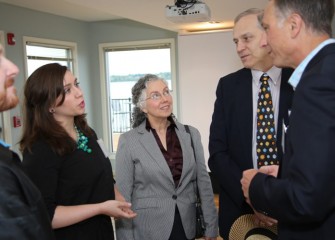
185 143
285 102
149 143
245 116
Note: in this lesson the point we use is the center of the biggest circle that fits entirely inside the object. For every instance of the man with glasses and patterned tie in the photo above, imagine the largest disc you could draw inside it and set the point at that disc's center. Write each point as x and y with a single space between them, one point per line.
302 197
247 122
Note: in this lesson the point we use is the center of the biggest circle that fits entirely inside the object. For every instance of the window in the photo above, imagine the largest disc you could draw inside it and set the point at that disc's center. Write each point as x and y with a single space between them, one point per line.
123 65
43 51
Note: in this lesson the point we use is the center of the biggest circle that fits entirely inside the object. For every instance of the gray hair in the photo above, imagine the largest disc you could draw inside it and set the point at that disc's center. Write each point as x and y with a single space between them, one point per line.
139 95
251 11
316 14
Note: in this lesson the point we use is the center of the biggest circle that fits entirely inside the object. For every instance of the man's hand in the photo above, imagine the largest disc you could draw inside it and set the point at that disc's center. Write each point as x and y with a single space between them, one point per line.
247 177
270 170
263 220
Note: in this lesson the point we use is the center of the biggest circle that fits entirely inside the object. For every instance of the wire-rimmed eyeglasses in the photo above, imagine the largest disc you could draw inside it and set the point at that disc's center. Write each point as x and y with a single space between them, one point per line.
158 96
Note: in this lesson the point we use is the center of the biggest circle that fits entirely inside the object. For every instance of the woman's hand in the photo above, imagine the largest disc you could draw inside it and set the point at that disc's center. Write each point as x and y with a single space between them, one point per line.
67 215
117 209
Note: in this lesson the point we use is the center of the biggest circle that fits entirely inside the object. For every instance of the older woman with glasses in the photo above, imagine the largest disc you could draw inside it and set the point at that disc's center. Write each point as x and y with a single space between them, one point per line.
158 170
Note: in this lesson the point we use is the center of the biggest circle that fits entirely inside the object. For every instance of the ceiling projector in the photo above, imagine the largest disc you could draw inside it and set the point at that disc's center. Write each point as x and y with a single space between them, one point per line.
195 12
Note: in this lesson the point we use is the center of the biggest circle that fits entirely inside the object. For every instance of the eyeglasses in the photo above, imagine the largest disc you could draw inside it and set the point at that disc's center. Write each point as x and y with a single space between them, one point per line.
158 96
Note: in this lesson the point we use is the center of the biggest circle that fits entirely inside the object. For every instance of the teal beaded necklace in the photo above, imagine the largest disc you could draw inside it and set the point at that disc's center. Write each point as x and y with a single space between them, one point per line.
82 141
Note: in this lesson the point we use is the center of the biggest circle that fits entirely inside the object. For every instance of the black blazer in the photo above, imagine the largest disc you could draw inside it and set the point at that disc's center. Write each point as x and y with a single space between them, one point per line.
303 200
230 141
23 214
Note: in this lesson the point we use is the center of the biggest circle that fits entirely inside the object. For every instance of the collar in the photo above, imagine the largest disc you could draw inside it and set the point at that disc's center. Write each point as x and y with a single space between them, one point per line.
274 73
296 75
170 119
4 144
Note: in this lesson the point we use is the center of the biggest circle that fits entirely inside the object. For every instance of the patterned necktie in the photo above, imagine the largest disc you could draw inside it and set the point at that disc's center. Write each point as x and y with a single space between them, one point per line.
266 135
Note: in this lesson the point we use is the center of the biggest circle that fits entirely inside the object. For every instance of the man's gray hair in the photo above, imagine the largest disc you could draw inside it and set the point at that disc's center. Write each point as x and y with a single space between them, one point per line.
251 11
316 14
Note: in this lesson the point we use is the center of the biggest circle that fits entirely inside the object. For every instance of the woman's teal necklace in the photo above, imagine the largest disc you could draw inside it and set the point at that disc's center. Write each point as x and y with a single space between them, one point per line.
82 141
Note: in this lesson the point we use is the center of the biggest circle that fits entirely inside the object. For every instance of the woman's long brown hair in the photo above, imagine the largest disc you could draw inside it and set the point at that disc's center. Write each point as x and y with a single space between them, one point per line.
41 91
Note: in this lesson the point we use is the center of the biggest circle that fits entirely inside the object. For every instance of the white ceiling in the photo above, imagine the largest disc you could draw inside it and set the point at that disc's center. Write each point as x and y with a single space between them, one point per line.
150 12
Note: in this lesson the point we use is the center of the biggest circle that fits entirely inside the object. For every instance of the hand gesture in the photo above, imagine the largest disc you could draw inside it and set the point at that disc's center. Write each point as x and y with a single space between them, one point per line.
117 209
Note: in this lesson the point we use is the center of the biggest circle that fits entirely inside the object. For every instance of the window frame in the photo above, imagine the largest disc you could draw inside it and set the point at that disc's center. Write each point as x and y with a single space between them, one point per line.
104 86
43 42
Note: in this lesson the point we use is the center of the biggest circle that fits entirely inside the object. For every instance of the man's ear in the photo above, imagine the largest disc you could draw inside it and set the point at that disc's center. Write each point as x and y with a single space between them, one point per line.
295 23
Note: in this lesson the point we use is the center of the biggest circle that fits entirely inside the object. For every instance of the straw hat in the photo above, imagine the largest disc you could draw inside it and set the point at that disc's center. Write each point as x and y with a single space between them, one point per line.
244 228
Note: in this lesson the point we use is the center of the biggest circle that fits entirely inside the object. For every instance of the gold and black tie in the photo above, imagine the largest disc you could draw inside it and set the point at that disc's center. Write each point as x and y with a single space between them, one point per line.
266 134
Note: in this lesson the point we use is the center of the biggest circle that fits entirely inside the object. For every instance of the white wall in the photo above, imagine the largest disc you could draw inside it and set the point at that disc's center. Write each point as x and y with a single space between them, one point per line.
203 59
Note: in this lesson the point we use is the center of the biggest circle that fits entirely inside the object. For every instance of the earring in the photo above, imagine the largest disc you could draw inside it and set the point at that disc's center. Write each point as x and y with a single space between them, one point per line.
52 110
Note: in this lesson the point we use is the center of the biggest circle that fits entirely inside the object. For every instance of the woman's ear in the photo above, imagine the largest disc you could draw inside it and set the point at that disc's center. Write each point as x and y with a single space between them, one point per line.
141 105
144 110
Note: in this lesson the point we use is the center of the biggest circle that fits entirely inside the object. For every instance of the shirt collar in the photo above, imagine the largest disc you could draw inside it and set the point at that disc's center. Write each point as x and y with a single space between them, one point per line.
296 75
4 144
170 119
274 73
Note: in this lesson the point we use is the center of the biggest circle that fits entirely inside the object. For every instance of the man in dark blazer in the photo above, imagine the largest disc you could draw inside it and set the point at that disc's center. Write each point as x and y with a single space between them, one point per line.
23 214
232 139
302 197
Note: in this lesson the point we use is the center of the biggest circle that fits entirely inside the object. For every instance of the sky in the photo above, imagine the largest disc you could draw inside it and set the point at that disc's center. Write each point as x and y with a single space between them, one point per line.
139 61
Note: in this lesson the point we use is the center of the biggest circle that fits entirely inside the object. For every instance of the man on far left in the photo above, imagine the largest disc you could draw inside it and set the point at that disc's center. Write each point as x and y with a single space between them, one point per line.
23 214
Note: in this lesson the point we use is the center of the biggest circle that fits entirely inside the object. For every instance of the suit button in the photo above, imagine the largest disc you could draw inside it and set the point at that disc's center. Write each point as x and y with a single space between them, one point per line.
174 197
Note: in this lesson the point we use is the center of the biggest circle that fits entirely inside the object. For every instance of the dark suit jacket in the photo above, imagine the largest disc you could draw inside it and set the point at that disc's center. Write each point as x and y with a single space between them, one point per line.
303 200
230 141
23 214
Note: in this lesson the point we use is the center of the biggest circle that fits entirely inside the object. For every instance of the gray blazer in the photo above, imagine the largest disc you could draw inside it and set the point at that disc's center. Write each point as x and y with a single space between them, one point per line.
145 180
